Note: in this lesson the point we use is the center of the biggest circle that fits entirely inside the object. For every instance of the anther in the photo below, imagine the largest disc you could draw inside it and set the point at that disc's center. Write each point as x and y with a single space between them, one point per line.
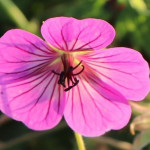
70 87
69 75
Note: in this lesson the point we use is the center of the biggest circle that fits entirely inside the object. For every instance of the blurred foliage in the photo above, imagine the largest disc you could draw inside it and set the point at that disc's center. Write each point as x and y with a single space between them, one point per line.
141 140
131 19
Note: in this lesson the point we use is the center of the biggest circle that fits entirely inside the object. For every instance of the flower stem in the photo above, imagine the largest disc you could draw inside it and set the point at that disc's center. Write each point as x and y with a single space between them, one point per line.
14 13
17 16
80 141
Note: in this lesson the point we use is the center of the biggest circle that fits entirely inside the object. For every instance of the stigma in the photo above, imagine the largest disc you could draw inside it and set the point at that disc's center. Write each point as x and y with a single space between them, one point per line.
67 77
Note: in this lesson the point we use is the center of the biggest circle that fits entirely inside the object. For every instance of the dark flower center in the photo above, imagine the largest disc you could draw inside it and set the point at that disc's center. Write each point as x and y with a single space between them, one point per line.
68 75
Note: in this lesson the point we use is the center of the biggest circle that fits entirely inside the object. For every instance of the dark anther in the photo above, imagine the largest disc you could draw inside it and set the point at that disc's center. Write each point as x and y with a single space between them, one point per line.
61 79
80 71
67 89
69 75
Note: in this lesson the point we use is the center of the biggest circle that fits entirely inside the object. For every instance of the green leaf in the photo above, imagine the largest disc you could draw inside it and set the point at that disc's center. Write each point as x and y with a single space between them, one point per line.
141 140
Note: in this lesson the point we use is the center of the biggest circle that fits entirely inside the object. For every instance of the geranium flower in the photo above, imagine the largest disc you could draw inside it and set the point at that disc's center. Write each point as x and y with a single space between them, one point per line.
70 74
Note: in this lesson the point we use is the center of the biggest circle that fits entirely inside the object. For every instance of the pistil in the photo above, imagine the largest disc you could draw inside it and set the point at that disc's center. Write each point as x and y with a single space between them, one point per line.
67 74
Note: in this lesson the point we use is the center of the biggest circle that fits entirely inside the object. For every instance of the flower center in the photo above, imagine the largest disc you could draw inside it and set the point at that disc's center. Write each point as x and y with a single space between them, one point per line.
67 74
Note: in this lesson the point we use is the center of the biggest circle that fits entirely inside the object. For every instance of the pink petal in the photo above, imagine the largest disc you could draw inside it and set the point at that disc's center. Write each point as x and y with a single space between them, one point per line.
123 69
93 108
72 34
22 52
29 89
38 102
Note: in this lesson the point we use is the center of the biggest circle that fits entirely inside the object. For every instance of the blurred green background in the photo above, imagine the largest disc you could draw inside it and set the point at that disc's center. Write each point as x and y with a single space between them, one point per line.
131 19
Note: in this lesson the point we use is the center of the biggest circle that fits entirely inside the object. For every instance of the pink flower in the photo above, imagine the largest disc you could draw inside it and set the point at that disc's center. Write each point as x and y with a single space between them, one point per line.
70 75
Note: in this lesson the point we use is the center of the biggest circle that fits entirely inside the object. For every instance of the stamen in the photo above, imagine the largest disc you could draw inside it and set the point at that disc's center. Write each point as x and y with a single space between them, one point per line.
70 87
62 79
69 75
79 71
77 65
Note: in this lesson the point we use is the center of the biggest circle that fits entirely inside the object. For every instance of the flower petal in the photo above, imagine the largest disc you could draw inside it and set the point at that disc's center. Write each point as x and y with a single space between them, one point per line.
28 89
123 69
72 34
38 101
22 53
26 42
93 108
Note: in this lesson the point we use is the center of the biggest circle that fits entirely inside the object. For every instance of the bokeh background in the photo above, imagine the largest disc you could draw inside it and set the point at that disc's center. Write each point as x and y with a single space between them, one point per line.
131 19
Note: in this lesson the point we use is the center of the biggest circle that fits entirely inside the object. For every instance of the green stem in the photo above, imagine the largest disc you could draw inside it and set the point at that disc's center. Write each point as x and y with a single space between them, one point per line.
14 13
80 141
17 16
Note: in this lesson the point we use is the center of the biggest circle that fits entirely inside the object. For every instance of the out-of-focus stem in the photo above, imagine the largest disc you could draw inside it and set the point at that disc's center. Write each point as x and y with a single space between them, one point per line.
139 108
14 13
18 17
80 141
4 119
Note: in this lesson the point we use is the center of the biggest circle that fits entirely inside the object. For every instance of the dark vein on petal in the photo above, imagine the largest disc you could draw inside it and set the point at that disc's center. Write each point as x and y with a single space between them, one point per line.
68 94
40 49
28 61
103 95
88 42
81 104
50 99
32 87
77 39
118 62
55 41
93 100
42 64
58 105
103 106
27 82
47 47
45 88
34 73
29 52
98 45
85 88
131 74
64 40
113 80
91 55
72 99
